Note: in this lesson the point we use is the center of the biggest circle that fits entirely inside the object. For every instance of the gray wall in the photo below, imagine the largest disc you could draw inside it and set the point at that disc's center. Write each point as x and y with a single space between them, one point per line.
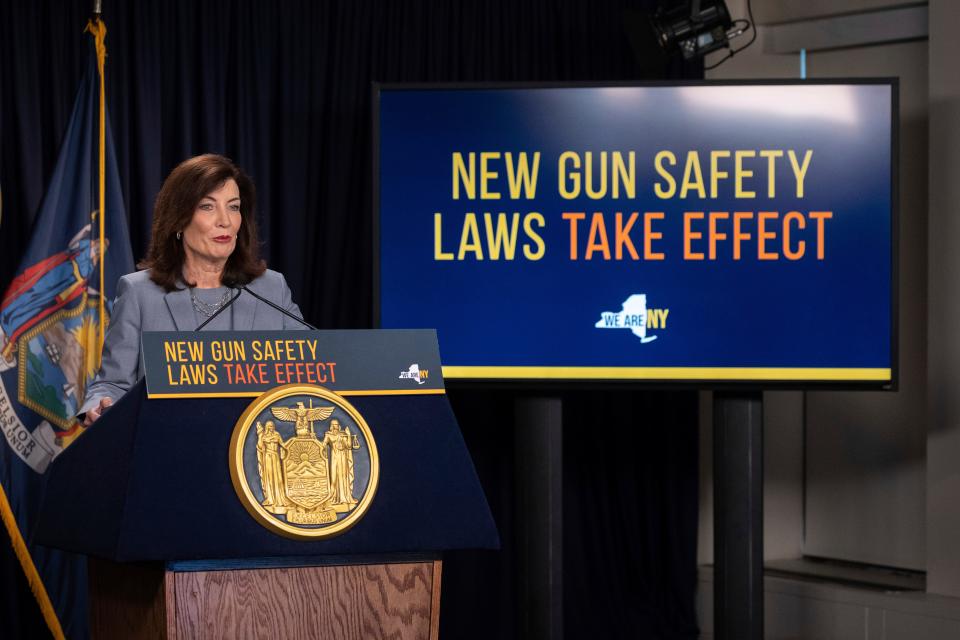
778 11
845 472
943 443
866 451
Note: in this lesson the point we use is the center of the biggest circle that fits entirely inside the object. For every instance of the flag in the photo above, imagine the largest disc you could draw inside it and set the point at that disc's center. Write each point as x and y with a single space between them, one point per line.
52 319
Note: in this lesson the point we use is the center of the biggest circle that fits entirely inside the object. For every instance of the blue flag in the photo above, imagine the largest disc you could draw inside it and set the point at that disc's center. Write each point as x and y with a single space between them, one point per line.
50 337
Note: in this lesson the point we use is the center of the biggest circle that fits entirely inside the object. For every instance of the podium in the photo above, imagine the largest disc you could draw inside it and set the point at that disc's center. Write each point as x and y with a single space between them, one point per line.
215 600
146 493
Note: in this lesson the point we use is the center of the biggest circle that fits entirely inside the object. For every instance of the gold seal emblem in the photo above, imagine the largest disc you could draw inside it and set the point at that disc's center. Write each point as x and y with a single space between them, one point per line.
303 462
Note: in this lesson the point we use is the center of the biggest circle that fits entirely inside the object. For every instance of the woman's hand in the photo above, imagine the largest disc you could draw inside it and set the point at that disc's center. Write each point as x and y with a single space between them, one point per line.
94 414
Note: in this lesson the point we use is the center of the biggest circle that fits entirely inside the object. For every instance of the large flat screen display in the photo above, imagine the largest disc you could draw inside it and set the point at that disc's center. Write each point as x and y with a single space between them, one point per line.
679 233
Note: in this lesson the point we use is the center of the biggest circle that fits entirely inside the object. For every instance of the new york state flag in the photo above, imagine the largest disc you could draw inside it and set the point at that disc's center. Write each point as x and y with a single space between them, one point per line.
51 319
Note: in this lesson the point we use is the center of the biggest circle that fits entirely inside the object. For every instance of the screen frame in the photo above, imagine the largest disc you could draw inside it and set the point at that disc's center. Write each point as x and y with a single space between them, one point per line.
562 382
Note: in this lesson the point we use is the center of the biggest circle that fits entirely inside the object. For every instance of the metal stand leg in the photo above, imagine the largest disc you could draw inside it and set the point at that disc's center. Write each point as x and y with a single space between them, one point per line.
539 501
738 515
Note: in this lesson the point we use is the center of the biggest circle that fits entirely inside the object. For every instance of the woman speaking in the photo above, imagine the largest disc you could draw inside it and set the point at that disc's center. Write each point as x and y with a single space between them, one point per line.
203 248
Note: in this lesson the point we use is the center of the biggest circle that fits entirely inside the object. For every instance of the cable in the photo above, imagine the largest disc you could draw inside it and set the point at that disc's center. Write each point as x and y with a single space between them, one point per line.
753 38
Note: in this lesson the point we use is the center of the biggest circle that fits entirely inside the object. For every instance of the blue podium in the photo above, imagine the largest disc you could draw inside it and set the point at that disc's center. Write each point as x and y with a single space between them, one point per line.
146 493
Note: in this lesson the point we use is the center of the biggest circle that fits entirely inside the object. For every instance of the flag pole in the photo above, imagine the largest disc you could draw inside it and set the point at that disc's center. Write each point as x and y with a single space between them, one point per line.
97 27
64 211
34 580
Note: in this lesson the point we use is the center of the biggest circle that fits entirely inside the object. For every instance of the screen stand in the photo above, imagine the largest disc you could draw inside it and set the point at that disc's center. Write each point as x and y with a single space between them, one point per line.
738 515
538 460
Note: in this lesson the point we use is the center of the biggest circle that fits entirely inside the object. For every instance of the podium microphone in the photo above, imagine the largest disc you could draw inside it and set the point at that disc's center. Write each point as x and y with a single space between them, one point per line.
262 299
278 308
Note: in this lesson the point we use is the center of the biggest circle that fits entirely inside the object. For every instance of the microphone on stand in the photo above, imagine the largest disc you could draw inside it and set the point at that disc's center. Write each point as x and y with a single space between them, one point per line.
261 299
279 308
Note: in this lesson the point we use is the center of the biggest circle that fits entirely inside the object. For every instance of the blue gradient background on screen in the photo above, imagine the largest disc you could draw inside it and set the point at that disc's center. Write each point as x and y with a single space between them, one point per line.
834 313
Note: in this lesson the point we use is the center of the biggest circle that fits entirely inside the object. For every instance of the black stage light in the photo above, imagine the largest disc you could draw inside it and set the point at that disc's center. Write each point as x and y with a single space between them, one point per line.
697 27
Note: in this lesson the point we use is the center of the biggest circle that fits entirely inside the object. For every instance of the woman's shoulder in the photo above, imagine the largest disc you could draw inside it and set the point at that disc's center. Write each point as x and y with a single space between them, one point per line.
140 283
268 280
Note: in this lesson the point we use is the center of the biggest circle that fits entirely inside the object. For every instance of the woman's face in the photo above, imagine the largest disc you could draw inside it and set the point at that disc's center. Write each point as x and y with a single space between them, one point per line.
212 232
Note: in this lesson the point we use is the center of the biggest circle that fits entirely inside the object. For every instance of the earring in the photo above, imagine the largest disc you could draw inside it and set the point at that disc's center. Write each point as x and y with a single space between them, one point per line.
179 234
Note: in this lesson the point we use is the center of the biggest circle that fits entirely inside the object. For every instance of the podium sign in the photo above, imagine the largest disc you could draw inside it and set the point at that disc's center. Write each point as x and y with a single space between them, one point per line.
152 479
247 363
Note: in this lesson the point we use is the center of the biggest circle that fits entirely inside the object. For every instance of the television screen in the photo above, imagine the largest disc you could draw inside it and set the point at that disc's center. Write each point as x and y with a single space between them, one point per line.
673 233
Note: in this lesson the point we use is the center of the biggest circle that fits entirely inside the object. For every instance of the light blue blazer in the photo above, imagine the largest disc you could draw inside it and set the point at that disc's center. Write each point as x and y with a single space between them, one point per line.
142 305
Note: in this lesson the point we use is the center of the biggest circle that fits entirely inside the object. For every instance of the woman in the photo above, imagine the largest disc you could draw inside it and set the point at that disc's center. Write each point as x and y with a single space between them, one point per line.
203 246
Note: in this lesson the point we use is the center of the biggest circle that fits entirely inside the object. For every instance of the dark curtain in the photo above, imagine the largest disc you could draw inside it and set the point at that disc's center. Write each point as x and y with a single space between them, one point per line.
284 88
630 509
630 514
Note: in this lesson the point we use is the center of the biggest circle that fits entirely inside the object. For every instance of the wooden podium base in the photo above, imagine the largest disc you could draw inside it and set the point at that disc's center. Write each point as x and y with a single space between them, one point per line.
140 601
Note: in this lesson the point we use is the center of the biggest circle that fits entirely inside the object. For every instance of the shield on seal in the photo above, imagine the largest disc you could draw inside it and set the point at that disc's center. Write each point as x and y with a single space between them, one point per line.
309 490
307 472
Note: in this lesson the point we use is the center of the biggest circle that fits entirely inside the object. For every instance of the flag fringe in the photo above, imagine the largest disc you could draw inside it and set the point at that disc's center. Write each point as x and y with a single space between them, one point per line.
29 570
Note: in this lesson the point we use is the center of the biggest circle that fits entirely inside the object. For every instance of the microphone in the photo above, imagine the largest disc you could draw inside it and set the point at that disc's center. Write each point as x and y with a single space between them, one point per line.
260 298
278 308
218 312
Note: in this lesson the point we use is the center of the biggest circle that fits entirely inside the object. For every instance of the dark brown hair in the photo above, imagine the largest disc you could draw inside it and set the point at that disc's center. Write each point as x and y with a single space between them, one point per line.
178 199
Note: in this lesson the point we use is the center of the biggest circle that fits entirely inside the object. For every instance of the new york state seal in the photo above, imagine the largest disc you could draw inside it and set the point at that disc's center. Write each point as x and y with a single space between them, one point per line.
303 462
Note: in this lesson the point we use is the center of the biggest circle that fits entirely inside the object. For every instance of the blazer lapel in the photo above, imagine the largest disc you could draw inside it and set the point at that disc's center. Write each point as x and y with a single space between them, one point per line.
244 309
178 302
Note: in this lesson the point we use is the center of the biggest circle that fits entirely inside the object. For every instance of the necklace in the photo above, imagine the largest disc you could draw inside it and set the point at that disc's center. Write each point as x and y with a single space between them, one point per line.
205 308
